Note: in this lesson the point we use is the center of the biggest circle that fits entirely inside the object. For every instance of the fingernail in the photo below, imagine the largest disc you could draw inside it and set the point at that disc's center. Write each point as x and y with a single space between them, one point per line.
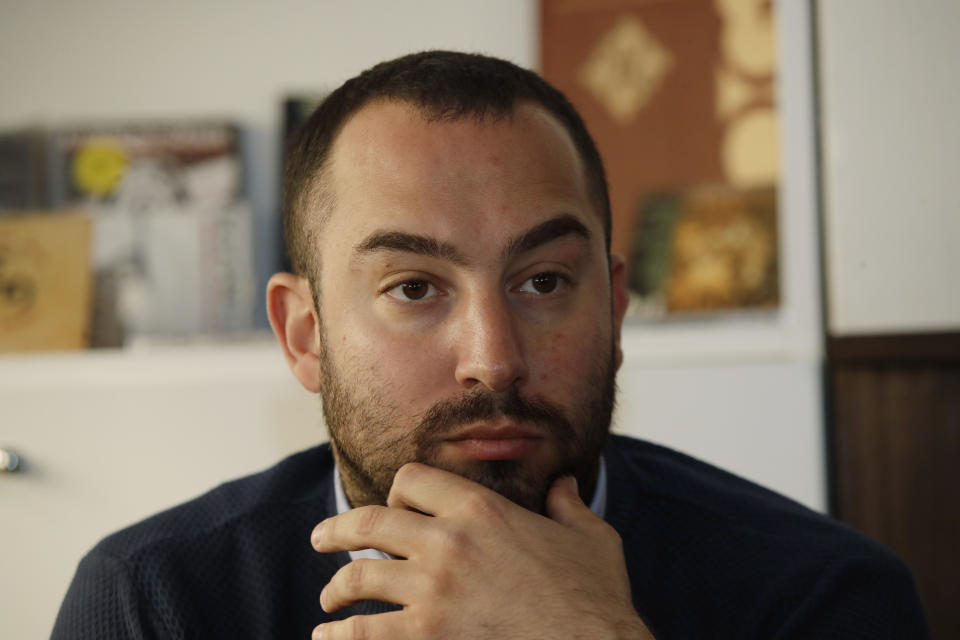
322 605
572 484
317 535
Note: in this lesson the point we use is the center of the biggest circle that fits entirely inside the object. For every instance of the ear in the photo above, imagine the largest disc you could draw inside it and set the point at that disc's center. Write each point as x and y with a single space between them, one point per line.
618 292
294 320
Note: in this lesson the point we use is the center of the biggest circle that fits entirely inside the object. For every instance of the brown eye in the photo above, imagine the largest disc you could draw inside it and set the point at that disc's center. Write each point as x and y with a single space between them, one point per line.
544 282
414 290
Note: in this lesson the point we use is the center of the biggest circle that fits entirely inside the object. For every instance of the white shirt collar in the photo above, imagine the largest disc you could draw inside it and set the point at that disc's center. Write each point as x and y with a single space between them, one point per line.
598 504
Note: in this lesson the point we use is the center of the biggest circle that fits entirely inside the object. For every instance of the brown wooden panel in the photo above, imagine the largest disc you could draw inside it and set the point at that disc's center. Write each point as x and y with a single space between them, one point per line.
896 462
921 348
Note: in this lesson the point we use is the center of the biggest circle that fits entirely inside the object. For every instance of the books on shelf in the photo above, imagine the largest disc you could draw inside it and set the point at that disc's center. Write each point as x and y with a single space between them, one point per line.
171 246
44 281
23 170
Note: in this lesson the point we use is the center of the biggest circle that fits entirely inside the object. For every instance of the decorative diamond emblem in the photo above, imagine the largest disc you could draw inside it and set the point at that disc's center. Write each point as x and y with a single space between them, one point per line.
626 68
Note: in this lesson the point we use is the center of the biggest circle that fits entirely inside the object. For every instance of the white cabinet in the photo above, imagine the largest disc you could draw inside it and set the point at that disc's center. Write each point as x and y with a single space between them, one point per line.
109 438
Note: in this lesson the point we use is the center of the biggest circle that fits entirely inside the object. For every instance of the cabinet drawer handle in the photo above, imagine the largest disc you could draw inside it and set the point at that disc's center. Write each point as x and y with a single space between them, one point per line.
9 461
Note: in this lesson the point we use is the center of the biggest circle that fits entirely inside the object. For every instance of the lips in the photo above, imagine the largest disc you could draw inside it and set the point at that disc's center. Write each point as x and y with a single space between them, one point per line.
485 442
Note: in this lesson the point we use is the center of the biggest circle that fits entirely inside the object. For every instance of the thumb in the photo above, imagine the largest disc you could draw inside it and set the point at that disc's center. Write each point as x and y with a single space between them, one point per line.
563 502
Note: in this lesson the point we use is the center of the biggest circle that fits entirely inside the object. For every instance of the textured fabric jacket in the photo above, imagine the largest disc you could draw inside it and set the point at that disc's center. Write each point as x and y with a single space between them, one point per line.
709 555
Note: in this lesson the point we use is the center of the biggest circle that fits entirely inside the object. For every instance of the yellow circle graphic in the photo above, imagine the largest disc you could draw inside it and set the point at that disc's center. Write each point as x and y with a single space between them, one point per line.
98 167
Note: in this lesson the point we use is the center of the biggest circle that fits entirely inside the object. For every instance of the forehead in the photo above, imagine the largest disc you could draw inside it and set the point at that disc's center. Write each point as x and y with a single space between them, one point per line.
383 132
390 165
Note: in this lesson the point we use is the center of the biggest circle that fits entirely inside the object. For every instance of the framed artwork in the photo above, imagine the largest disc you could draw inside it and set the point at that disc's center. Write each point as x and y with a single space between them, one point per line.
679 95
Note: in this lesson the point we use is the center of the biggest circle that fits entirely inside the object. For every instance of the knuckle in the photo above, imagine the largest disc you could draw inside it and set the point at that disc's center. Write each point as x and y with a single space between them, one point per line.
367 519
355 575
480 505
359 628
428 624
451 542
608 534
439 585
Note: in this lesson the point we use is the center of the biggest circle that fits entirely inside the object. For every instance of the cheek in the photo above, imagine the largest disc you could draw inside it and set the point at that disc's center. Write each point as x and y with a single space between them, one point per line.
564 358
552 354
400 369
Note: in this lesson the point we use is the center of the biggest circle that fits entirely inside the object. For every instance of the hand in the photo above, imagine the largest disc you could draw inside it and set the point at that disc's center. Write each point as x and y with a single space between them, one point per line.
477 565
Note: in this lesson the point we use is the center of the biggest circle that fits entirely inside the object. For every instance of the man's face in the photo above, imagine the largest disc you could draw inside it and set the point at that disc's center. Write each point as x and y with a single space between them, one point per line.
465 298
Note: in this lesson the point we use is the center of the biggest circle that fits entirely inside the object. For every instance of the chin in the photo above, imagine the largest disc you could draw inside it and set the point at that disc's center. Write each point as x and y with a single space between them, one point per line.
513 479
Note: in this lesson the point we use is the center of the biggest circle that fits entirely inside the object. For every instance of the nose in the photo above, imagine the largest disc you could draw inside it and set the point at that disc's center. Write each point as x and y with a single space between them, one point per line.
489 345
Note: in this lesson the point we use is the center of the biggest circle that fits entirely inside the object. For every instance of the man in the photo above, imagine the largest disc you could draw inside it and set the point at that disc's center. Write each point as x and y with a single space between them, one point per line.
455 303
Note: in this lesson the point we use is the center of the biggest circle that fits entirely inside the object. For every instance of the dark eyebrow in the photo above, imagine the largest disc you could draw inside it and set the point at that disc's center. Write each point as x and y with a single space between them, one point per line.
545 232
411 243
541 234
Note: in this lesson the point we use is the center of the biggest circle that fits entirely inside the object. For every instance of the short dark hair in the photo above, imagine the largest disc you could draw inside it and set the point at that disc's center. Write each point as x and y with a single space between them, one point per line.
446 86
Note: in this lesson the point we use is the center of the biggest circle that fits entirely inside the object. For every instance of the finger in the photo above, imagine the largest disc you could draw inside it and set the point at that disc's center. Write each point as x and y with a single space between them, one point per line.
564 503
438 492
394 531
380 625
367 579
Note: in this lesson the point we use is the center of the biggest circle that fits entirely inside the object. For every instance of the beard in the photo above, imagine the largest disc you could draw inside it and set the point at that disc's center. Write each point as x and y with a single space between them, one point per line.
370 449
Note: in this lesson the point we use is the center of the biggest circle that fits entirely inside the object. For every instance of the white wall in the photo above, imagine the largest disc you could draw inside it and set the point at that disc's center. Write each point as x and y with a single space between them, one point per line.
890 103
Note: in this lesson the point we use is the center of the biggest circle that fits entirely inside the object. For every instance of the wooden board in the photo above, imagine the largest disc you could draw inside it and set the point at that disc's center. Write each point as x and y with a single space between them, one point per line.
895 444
